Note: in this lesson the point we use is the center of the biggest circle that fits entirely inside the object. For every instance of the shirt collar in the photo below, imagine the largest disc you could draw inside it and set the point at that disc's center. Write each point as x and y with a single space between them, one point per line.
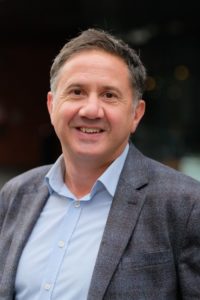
111 175
109 178
54 178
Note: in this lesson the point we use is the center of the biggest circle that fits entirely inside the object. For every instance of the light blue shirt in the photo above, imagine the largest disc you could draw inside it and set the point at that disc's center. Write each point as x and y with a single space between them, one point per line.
59 258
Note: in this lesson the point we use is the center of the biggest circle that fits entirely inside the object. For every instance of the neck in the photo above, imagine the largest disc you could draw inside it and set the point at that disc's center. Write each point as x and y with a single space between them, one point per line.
80 177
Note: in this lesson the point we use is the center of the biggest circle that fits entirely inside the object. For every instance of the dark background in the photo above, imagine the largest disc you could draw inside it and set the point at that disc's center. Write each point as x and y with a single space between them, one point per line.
165 33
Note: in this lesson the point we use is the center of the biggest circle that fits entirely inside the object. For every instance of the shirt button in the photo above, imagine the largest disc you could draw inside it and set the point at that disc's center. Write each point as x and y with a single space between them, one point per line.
76 203
47 286
61 244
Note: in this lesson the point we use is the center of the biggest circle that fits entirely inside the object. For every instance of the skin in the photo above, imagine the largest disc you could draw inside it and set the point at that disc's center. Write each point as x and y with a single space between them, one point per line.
93 114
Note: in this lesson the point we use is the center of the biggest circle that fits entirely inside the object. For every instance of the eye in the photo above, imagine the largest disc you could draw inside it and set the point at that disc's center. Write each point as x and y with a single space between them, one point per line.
109 95
76 91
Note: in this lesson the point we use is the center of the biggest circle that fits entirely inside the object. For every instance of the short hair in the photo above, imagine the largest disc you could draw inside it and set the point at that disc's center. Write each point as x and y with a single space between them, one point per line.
99 39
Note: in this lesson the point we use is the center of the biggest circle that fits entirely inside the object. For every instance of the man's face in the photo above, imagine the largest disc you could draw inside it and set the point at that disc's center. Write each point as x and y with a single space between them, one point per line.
92 109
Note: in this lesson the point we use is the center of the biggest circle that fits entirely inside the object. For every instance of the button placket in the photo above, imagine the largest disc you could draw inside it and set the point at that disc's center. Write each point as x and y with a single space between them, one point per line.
47 286
57 255
61 244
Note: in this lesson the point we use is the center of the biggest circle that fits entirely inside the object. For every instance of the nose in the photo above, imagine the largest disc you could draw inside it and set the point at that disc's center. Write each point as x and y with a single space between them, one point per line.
92 108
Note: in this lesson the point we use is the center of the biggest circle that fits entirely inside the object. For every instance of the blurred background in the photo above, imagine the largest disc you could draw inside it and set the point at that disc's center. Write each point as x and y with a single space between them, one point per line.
165 33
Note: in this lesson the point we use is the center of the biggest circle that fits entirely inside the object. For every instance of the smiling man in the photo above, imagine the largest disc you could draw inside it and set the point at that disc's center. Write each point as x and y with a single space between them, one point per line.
104 222
94 111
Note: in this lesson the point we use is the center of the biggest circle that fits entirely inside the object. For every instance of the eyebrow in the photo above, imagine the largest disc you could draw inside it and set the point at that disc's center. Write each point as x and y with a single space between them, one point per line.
73 85
82 85
110 87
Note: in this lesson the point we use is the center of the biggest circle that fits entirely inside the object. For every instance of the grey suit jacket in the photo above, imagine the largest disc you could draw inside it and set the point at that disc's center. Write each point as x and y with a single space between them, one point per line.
151 243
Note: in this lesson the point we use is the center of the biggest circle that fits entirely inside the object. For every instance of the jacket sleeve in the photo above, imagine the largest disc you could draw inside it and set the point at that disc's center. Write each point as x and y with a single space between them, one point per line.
189 259
7 195
3 206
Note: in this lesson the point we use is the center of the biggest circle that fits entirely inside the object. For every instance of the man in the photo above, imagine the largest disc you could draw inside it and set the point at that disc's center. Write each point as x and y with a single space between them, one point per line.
104 222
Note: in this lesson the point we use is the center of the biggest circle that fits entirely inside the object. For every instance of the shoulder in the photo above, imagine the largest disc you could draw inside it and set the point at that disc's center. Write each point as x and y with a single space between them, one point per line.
170 179
160 177
170 196
27 181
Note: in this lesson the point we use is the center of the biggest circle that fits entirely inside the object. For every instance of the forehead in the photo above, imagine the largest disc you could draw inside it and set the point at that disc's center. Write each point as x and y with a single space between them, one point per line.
94 50
96 61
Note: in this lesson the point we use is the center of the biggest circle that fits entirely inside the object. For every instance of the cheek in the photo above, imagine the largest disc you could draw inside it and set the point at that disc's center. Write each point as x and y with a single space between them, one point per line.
64 113
121 120
128 123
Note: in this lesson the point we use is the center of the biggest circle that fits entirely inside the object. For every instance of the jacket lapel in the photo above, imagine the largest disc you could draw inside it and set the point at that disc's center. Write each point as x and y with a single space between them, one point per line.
127 205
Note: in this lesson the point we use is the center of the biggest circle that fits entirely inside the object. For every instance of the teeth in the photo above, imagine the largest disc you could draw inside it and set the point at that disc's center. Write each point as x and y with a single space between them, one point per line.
90 130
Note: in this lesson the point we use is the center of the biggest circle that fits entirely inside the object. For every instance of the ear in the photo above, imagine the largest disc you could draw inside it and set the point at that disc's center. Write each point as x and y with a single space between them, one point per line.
138 113
50 102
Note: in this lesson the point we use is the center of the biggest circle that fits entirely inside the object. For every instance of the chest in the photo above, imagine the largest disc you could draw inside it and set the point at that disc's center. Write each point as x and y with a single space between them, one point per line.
62 250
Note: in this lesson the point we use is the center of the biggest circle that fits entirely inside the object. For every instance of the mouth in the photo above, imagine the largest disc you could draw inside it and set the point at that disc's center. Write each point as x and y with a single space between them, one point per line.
90 130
